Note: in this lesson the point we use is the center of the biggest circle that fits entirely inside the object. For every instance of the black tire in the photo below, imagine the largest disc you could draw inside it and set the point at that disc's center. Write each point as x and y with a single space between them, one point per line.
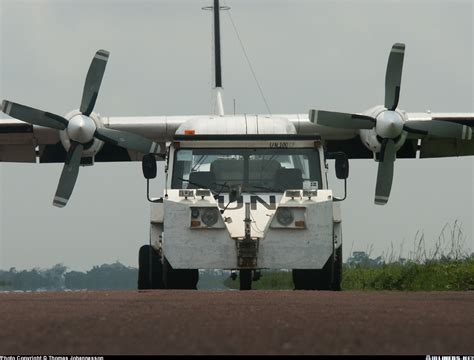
337 274
150 269
327 278
245 278
323 279
179 278
304 279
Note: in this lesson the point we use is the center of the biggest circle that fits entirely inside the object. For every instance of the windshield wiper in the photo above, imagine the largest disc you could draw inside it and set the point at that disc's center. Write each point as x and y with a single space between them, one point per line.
222 188
201 186
199 162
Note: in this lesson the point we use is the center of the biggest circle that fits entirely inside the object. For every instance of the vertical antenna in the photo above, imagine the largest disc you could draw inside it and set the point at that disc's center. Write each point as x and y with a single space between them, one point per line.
217 44
219 110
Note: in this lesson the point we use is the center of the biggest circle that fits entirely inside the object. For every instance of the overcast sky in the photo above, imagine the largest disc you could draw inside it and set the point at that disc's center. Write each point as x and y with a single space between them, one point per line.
328 55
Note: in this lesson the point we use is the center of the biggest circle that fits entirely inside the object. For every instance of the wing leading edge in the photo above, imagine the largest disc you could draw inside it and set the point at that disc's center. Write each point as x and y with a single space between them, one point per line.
431 147
22 142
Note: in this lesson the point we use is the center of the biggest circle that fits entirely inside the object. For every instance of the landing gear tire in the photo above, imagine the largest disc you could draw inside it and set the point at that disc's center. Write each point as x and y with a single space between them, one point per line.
150 269
327 278
179 278
245 278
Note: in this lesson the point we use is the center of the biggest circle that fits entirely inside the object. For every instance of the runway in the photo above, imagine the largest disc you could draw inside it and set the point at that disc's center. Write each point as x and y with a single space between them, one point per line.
233 322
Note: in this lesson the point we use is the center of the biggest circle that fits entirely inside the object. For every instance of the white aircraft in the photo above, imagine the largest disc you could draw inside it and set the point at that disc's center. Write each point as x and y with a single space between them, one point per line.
271 166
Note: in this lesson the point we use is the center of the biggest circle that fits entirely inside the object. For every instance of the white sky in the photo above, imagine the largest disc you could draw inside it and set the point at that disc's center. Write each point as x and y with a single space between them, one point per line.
328 55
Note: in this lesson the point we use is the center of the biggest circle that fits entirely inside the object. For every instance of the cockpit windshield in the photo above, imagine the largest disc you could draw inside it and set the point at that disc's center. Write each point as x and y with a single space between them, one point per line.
255 169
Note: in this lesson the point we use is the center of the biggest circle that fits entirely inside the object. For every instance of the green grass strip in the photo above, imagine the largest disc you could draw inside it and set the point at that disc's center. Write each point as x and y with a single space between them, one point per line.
411 276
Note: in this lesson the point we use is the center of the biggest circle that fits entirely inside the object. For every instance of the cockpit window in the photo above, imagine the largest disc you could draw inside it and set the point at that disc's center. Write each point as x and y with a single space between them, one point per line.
256 170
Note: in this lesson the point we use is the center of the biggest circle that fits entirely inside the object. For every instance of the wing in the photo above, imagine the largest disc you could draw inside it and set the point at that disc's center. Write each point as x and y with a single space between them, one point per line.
16 141
431 147
22 142
419 144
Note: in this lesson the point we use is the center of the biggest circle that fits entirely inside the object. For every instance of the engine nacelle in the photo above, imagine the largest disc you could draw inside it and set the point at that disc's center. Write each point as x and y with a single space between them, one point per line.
372 140
91 148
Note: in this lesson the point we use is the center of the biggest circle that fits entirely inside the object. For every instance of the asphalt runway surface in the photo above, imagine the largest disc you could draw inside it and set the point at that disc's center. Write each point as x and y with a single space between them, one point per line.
233 322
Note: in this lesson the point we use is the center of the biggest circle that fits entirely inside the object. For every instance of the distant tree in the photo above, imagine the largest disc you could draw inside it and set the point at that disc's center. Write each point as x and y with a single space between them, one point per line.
114 276
49 279
54 277
75 280
362 259
24 280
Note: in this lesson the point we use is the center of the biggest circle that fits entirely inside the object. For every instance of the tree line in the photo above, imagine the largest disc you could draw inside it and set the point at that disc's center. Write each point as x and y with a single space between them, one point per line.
114 276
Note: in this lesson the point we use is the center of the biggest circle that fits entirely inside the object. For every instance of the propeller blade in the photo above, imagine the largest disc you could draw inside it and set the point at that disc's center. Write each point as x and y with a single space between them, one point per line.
128 140
438 128
393 76
341 120
33 116
69 175
93 81
385 172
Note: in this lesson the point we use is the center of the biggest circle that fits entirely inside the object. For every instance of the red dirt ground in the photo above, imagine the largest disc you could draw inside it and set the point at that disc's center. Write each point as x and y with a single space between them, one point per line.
233 322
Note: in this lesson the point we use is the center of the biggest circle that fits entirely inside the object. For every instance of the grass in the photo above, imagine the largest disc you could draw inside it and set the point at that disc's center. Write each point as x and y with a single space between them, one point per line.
445 266
457 275
412 276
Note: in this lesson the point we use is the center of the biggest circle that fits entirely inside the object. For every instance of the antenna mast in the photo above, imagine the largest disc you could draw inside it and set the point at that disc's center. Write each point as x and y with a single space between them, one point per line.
217 44
219 110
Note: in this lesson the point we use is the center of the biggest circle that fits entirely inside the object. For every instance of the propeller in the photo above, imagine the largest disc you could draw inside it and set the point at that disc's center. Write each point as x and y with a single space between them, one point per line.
389 124
81 128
